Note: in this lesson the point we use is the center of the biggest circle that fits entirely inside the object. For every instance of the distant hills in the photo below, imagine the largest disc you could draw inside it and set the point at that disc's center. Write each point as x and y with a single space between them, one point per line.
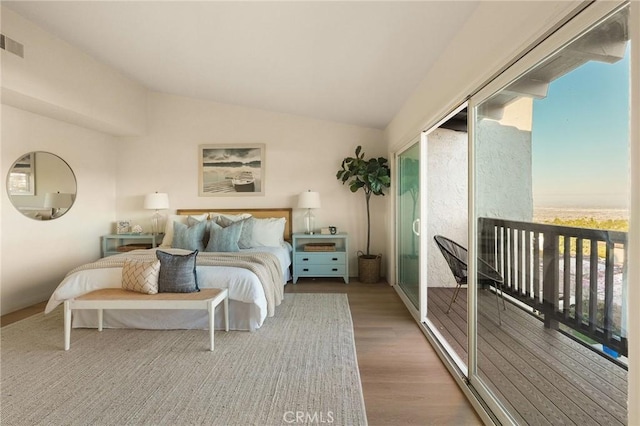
256 164
544 214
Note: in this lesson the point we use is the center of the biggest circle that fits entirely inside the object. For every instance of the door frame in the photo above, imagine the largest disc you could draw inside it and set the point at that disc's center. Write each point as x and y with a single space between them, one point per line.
420 313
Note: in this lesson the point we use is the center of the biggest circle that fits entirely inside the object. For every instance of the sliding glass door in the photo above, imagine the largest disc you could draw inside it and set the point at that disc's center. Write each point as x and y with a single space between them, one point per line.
538 188
431 200
447 229
408 223
549 227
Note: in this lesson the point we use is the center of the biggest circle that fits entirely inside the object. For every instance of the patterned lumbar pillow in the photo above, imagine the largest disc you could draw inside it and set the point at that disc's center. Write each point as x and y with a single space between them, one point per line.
141 276
177 272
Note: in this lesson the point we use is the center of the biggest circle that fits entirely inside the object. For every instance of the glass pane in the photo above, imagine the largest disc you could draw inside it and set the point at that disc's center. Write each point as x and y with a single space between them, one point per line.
408 249
447 230
552 192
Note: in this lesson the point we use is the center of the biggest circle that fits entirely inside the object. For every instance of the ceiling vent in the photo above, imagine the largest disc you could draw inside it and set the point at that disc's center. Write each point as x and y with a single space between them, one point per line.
11 45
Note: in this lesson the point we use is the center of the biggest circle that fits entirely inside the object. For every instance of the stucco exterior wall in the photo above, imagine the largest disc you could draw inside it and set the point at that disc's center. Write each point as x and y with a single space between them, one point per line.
504 186
447 190
503 167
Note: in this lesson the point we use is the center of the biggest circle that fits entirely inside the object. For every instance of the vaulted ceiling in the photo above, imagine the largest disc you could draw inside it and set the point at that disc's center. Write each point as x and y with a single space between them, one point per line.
350 62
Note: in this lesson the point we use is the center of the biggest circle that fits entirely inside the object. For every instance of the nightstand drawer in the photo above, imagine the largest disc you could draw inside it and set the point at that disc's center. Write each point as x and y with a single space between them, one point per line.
332 258
312 270
317 263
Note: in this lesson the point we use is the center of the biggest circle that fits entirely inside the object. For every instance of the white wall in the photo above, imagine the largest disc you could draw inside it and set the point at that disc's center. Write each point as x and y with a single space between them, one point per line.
57 80
63 88
37 254
301 154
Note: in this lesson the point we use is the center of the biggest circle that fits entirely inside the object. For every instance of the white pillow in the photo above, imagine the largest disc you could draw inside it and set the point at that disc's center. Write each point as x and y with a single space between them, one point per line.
225 220
267 232
180 218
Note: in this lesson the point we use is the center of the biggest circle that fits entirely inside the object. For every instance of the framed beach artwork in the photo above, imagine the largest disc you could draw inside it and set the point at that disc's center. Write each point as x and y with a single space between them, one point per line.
229 170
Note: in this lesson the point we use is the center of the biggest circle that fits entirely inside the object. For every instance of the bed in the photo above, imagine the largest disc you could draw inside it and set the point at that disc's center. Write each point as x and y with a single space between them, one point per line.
255 276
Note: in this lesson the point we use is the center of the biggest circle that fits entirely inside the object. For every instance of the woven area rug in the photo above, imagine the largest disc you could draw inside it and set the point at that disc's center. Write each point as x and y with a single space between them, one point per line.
300 367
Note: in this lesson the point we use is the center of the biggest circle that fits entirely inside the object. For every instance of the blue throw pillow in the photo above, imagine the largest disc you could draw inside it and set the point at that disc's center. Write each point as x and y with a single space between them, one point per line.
224 239
177 272
246 235
188 237
191 221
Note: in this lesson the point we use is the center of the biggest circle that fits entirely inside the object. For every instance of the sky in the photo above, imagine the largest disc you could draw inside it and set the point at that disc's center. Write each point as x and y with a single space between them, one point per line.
580 139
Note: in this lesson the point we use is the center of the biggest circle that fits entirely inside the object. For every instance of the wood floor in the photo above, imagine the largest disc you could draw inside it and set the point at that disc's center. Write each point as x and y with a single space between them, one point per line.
544 377
403 380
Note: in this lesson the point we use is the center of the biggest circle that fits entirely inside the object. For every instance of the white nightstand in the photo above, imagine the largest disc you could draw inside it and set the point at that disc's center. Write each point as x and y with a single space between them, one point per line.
321 263
111 242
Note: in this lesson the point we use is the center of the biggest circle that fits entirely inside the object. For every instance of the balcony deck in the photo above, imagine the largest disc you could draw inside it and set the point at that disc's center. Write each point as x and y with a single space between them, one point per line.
545 377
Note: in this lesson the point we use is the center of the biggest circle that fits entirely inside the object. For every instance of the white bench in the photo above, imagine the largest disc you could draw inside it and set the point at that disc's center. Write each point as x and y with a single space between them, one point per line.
117 298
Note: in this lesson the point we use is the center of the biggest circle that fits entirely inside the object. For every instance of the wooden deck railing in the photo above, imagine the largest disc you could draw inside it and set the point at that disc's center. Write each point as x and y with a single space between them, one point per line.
565 273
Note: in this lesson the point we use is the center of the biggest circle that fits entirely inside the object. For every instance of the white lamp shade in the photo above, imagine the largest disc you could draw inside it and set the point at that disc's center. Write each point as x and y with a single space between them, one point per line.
309 200
57 200
156 201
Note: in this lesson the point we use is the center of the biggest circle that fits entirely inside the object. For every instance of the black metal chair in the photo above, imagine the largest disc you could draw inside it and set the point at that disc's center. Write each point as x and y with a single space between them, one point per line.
457 258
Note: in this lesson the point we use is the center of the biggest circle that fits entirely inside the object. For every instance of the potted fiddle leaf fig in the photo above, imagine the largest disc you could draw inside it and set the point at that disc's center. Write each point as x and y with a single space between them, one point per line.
372 176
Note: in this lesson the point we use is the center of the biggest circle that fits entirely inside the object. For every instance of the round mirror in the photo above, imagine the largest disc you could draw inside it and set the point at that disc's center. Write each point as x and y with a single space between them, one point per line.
41 185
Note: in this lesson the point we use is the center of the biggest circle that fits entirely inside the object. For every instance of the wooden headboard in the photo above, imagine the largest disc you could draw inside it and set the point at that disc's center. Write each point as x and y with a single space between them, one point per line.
257 213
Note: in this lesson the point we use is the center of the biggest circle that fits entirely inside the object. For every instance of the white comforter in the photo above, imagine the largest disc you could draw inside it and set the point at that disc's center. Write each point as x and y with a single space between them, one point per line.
247 307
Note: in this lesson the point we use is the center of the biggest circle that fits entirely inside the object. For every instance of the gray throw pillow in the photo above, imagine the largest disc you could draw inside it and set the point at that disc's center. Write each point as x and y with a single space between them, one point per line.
189 237
224 239
177 272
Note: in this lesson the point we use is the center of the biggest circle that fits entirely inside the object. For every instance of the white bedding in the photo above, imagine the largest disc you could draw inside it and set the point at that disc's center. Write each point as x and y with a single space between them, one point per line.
247 302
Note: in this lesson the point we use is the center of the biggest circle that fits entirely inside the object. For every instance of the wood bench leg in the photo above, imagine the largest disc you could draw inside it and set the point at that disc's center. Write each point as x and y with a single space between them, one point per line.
100 316
67 325
226 314
211 322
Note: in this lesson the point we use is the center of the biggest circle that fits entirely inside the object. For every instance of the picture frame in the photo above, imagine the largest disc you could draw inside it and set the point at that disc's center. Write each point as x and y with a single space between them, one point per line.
123 227
231 170
22 176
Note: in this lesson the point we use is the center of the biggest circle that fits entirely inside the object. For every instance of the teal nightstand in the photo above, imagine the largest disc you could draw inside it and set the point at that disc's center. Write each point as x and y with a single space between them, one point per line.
111 242
320 263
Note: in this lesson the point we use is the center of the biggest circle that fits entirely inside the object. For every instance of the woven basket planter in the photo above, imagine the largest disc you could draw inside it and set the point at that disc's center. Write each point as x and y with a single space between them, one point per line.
369 268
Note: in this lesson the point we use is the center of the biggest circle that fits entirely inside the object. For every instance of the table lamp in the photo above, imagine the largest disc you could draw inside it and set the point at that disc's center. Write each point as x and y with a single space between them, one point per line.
309 200
57 201
156 201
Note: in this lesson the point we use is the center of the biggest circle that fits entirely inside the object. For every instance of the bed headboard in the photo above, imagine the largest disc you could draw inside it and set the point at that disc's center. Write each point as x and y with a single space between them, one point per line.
258 213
